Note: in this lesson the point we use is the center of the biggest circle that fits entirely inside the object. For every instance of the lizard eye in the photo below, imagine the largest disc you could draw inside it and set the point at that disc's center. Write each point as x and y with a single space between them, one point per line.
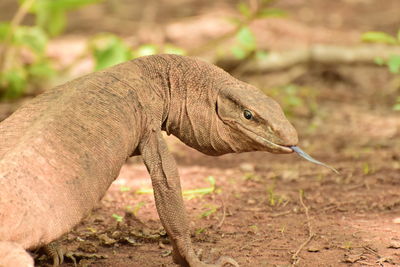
247 114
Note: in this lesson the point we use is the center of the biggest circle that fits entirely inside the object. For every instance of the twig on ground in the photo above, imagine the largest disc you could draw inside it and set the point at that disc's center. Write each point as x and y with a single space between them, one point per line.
311 234
245 246
280 214
223 215
321 54
365 263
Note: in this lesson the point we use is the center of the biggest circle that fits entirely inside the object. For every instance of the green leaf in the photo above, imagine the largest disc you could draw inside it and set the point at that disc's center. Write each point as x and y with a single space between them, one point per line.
244 9
171 49
41 69
271 12
211 210
261 55
211 180
246 38
51 14
378 37
15 83
33 37
398 36
117 217
146 50
266 2
4 30
61 4
239 52
72 4
379 61
234 21
394 63
396 107
57 22
125 188
137 207
50 17
199 231
109 50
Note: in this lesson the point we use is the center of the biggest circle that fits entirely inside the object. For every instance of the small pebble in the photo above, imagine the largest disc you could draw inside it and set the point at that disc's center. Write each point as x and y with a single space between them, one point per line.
247 167
396 220
394 244
251 201
313 249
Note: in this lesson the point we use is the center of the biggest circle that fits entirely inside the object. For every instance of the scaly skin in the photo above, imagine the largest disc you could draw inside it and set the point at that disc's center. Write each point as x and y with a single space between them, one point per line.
60 153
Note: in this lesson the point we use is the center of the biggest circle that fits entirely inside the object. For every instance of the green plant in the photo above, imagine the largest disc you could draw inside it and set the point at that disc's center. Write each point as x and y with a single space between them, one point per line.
23 59
124 188
191 193
254 228
296 99
211 209
273 198
136 208
396 106
117 217
393 61
108 50
381 37
51 15
200 231
245 44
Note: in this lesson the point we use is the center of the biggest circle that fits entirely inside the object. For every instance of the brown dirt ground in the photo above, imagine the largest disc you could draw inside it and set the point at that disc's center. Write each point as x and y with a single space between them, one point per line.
257 216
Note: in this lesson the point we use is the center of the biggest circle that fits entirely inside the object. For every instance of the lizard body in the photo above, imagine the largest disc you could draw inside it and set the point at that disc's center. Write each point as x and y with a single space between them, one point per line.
60 152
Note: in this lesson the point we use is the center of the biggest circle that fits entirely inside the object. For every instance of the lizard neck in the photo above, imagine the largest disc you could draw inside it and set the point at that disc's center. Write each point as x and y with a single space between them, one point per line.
193 88
179 94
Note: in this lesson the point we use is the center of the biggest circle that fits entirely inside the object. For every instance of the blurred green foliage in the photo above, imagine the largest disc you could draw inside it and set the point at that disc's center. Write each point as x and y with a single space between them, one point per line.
51 15
108 50
23 59
296 99
393 62
396 106
24 63
245 40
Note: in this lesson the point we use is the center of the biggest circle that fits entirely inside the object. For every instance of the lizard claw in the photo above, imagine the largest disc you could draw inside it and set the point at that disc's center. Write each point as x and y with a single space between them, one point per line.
193 261
222 261
55 251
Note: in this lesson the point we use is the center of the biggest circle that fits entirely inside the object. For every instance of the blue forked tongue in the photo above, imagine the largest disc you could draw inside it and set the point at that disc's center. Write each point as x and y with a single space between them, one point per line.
309 158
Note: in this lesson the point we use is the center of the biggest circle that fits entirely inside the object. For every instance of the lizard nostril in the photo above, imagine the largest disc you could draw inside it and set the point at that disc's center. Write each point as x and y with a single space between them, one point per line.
288 136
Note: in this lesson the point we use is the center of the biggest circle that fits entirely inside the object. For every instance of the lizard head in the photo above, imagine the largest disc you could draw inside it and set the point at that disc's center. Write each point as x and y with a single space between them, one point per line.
253 121
217 114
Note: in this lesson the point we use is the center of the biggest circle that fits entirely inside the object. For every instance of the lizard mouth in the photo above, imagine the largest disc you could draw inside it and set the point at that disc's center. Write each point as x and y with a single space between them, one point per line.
272 147
276 147
268 145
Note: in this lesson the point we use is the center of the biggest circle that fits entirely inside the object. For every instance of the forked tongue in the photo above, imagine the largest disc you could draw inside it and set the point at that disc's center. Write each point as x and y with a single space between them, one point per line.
309 158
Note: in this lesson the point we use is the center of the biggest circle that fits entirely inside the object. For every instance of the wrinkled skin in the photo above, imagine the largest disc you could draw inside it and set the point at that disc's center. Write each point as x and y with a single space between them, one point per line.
60 152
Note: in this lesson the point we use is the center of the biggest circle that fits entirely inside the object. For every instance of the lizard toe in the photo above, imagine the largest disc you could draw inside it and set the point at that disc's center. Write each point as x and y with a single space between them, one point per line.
226 261
56 252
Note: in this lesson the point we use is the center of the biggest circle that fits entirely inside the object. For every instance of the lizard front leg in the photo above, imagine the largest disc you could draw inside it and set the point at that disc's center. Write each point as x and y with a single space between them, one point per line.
168 196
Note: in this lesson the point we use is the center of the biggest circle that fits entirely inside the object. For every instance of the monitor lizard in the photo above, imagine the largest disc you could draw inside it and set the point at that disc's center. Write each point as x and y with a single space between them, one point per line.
60 152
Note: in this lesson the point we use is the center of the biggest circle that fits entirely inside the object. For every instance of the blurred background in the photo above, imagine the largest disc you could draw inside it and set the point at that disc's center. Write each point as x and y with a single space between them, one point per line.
334 66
